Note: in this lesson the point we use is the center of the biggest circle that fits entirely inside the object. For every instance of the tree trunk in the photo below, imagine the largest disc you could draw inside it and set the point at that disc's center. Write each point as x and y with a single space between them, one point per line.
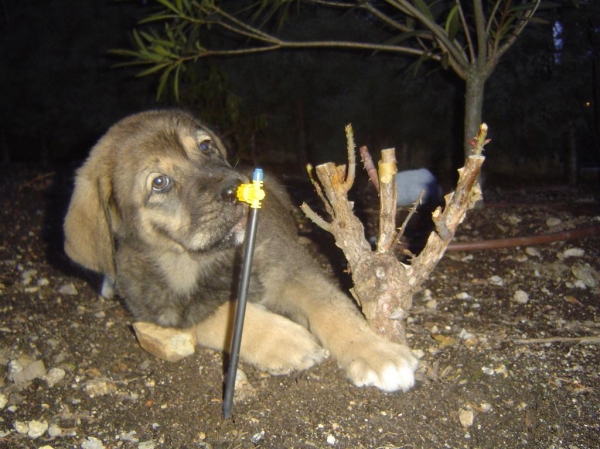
383 287
475 84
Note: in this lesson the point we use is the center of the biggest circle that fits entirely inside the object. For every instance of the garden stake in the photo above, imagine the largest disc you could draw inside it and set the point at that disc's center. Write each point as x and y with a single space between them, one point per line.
251 194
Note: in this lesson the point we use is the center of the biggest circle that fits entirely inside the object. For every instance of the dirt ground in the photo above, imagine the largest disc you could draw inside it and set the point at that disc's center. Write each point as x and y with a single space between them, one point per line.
73 376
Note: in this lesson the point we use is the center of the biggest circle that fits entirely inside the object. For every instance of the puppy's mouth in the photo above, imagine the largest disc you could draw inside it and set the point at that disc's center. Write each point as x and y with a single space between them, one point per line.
238 232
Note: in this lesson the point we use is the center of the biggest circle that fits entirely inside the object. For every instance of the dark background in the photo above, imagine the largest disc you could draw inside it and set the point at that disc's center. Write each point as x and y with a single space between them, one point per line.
60 92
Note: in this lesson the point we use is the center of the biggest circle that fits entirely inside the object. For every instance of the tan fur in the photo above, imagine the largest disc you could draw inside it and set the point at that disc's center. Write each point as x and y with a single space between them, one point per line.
153 209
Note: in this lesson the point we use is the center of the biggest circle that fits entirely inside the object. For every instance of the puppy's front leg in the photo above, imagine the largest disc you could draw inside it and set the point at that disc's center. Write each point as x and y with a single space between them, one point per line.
367 358
270 342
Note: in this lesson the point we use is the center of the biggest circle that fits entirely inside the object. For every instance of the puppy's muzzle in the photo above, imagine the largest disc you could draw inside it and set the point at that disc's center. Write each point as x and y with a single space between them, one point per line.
229 193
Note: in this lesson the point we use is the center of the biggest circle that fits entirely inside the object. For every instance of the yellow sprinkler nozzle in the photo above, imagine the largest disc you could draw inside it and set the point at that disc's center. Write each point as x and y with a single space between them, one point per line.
252 193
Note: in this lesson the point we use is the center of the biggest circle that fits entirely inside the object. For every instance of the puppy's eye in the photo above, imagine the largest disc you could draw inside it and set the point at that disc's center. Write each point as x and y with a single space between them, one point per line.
161 183
205 146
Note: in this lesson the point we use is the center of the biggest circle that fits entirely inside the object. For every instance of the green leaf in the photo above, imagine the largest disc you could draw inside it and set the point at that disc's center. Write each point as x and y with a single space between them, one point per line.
444 61
422 6
152 70
166 4
176 83
399 38
158 18
123 52
138 40
529 6
452 23
163 82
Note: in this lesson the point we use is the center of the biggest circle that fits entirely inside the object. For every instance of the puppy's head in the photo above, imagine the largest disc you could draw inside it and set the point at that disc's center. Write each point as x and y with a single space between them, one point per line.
157 180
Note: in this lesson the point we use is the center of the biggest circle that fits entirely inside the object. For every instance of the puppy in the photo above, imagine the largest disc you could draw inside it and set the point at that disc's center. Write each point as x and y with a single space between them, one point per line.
154 209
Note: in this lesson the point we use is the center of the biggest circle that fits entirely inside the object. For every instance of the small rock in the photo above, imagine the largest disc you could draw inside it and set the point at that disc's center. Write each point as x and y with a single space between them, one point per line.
585 274
54 430
43 282
496 280
54 376
466 418
99 387
553 222
431 304
165 343
68 289
533 252
3 400
27 276
485 407
243 388
257 437
150 444
92 443
514 220
573 252
331 440
21 427
37 429
34 370
129 436
521 297
465 335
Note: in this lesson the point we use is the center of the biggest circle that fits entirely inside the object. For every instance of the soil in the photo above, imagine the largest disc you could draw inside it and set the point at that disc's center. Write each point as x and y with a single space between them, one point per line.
73 376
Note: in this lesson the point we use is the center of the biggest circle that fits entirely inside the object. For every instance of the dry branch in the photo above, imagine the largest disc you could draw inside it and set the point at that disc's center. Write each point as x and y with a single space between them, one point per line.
383 286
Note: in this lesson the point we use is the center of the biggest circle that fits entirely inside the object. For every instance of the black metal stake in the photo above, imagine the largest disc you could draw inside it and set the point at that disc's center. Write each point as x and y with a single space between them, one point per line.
241 306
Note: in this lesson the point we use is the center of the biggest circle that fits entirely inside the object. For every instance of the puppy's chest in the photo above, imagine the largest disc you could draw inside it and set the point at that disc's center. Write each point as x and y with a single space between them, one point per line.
185 274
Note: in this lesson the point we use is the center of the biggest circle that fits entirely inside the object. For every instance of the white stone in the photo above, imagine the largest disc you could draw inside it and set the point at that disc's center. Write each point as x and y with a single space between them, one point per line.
521 297
573 252
92 443
466 418
54 376
37 429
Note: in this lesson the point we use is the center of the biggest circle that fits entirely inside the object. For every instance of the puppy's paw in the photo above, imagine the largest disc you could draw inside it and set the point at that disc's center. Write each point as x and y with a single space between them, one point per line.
281 347
382 364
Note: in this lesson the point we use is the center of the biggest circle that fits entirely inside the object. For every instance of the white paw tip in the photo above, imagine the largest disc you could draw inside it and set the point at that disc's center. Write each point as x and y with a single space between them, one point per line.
392 378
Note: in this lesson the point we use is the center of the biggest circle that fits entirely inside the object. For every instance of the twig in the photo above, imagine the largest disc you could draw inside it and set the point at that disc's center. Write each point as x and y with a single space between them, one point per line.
387 200
315 218
318 189
594 339
369 166
411 212
351 159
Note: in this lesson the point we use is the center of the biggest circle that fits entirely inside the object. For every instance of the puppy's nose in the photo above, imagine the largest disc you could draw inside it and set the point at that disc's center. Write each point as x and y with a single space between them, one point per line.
229 193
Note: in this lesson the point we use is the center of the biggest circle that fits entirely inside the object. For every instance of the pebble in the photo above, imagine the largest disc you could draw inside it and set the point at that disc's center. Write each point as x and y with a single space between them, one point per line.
533 252
34 370
331 440
466 418
21 427
431 304
92 443
257 437
514 220
496 280
150 444
54 376
68 289
3 400
99 387
27 276
54 430
553 222
585 274
37 429
521 297
573 252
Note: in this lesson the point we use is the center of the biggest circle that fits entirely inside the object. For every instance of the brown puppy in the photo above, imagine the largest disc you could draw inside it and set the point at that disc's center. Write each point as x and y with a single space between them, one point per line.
154 210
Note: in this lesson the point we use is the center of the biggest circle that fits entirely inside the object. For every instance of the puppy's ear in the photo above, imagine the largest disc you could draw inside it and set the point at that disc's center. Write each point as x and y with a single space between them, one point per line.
91 216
